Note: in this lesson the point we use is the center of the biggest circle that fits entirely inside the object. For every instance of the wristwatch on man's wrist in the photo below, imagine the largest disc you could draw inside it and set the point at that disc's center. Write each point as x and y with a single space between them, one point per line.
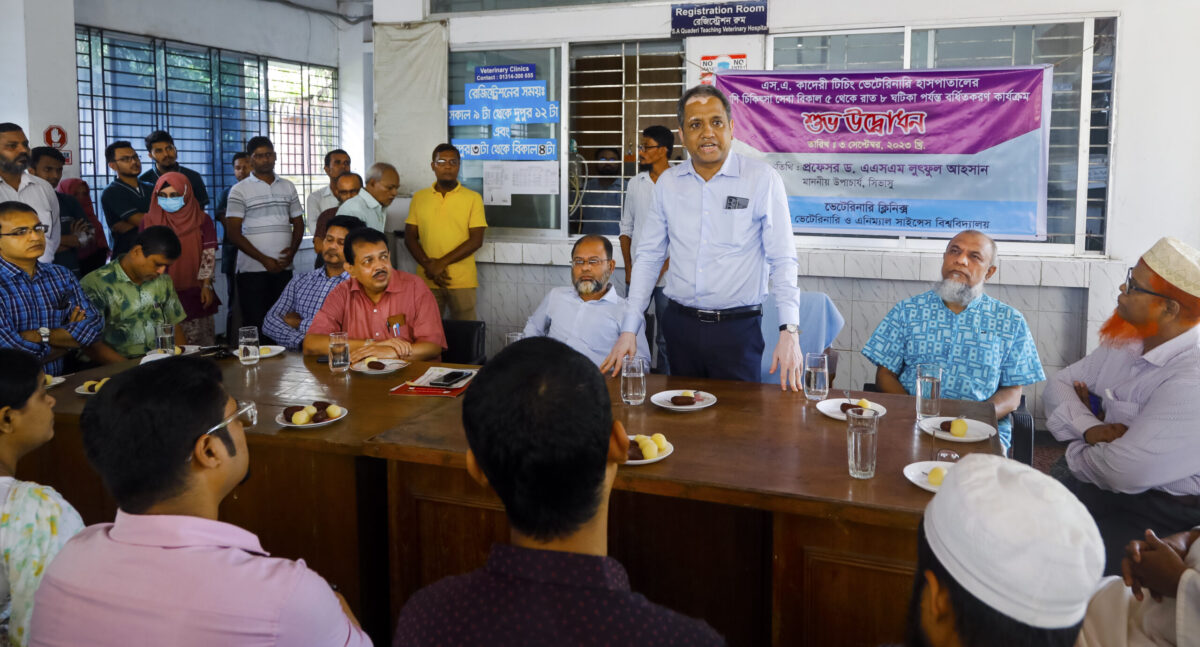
45 333
792 328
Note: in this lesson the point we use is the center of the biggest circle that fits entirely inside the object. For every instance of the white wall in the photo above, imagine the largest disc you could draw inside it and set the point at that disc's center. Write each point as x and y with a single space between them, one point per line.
1154 156
263 28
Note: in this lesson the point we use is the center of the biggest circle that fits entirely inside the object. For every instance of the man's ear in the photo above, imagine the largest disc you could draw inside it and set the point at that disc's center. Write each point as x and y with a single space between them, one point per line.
991 270
6 422
618 444
474 471
209 451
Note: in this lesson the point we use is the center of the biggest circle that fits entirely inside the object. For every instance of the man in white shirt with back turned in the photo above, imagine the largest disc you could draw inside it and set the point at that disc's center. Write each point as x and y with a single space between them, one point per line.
723 220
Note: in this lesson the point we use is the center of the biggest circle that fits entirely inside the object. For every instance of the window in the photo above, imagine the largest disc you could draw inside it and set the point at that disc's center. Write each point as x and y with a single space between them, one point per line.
526 211
617 90
1083 78
210 100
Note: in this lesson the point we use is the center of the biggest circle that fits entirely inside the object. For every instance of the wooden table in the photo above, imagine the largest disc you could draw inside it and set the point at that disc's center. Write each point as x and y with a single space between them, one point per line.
752 524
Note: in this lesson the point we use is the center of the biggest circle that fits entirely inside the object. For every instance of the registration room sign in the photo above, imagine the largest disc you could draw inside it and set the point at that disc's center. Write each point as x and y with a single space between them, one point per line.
719 19
917 153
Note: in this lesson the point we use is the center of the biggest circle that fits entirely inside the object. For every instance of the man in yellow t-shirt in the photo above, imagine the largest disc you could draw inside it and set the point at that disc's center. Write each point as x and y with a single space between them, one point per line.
443 231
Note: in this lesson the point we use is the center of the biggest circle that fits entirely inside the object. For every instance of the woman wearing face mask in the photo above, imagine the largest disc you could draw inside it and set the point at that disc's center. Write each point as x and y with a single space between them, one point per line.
192 273
35 521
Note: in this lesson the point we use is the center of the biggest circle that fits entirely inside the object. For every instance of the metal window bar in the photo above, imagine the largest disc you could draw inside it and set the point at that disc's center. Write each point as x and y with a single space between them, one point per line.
616 91
210 100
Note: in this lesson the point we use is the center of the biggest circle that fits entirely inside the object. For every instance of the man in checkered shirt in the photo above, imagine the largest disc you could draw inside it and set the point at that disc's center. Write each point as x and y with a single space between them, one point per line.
289 318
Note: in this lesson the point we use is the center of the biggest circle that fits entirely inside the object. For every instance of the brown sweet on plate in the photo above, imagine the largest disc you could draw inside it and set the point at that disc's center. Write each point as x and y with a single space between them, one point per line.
846 406
683 400
376 365
945 426
320 416
291 411
635 451
320 405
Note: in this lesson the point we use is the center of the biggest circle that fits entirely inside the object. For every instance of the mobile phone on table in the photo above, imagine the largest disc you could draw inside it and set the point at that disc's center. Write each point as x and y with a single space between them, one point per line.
450 379
322 359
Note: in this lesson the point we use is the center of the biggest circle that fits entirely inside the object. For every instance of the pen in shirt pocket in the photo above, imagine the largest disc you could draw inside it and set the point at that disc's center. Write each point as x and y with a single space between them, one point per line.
395 329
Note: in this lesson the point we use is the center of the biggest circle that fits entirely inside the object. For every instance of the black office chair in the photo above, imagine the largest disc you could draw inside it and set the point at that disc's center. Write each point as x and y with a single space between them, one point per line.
1022 429
465 341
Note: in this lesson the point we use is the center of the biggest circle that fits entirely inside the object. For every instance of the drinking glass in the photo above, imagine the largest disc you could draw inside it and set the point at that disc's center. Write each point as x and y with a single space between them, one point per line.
164 335
929 391
633 380
862 438
513 337
248 345
339 352
816 376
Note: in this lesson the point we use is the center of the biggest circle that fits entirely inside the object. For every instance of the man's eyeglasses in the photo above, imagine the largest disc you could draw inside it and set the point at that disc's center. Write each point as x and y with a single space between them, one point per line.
25 231
125 160
592 263
1130 286
643 148
446 162
247 412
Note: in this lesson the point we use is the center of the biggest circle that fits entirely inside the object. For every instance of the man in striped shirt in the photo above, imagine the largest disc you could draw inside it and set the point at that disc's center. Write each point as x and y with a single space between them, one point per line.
290 317
264 219
44 308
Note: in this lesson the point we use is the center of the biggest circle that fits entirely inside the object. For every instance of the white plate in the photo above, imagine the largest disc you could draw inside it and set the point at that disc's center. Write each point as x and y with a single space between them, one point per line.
393 365
918 473
661 455
55 381
976 430
703 400
81 391
279 419
833 407
269 351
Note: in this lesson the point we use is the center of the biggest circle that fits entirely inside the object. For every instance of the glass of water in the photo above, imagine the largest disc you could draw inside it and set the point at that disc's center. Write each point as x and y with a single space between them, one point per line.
164 334
862 438
816 376
633 380
248 345
929 391
513 337
339 352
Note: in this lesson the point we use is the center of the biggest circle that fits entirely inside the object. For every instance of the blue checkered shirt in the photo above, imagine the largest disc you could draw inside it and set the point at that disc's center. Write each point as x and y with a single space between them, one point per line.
981 349
31 302
303 295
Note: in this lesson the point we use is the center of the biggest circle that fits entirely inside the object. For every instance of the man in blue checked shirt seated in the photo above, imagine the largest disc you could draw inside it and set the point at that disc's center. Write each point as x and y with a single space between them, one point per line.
588 316
43 309
288 320
983 346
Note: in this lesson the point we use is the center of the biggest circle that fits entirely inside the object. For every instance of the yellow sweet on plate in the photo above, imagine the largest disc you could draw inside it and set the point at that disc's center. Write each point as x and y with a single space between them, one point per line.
302 417
863 404
958 428
661 441
937 475
263 350
310 410
687 394
178 350
648 447
333 411
101 383
49 379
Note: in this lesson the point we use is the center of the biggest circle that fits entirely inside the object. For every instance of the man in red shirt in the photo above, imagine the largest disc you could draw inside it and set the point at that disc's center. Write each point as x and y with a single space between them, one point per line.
386 313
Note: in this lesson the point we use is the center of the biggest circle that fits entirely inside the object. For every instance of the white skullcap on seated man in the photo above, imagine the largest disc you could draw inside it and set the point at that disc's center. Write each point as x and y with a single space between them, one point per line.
1128 409
1005 556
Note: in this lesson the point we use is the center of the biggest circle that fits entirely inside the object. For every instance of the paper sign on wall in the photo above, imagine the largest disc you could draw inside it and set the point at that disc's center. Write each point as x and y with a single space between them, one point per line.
502 179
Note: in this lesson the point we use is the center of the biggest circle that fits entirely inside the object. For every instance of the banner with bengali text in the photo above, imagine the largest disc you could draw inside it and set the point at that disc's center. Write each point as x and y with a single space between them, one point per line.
923 153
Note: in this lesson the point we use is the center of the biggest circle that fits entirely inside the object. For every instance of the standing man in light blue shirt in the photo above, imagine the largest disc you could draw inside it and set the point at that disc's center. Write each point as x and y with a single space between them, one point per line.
588 316
723 220
370 205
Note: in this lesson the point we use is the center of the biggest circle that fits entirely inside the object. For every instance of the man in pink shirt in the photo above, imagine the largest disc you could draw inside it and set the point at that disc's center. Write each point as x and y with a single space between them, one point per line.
386 313
170 445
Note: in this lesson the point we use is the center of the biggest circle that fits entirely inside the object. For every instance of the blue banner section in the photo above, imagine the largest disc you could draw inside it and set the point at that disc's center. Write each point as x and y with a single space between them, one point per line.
913 217
514 72
747 17
505 148
500 106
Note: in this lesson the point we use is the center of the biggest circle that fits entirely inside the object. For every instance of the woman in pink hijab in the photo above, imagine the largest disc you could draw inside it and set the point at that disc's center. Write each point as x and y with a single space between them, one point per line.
95 253
175 206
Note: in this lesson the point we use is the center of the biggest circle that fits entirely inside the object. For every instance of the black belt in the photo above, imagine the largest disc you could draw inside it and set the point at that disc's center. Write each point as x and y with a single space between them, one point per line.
717 316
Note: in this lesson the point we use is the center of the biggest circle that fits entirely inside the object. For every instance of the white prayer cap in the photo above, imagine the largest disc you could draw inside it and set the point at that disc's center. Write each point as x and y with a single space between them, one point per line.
1017 540
1177 262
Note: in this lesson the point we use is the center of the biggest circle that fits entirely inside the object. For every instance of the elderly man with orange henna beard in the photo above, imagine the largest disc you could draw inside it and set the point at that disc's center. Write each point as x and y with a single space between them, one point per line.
1129 408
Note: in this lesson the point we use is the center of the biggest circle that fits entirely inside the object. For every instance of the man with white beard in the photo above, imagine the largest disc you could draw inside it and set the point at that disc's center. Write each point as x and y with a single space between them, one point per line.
586 317
983 346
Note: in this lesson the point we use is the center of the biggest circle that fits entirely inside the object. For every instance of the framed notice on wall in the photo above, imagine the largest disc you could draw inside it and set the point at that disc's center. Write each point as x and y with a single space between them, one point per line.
910 153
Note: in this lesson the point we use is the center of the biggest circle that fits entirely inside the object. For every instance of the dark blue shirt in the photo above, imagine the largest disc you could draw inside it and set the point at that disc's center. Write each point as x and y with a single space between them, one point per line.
120 201
525 597
44 299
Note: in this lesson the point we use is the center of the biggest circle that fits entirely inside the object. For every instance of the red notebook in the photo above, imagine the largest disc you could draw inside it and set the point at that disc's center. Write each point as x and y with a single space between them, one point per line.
423 386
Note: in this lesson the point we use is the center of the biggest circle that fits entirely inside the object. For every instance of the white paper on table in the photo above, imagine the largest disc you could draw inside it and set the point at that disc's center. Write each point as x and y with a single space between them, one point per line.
435 372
